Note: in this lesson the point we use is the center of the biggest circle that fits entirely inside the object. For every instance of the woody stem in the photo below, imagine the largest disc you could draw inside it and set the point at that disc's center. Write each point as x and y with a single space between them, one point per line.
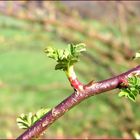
78 96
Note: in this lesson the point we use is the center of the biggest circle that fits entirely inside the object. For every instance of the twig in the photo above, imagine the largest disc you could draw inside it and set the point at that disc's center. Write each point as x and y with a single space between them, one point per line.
90 89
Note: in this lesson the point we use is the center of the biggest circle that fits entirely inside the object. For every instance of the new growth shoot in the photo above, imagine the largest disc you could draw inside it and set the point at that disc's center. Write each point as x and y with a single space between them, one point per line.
25 121
132 88
131 84
66 58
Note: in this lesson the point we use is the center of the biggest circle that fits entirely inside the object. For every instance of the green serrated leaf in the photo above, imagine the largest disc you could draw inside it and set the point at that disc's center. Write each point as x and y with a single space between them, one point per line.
133 88
59 66
80 47
51 53
123 93
60 54
29 118
65 57
24 121
41 112
21 126
132 97
73 61
71 49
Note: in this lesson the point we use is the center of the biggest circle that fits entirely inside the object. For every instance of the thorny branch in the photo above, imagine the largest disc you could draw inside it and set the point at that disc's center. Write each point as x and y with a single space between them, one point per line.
75 98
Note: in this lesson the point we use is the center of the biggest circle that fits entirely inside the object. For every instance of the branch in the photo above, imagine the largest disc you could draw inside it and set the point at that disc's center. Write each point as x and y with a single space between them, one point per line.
90 89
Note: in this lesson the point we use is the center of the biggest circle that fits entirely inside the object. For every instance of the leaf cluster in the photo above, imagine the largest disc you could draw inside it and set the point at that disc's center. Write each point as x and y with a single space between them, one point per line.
133 88
25 121
65 57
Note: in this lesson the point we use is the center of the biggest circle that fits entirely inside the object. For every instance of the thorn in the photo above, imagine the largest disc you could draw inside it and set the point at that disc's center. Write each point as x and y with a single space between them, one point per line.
90 83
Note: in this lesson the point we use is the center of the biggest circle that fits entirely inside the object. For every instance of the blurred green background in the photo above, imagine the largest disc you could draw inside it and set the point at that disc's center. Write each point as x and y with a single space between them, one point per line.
28 80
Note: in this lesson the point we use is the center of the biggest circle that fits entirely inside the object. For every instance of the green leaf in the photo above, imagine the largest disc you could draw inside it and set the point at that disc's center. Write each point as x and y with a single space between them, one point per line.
59 66
71 49
41 112
132 97
51 53
123 93
80 47
65 57
133 88
24 121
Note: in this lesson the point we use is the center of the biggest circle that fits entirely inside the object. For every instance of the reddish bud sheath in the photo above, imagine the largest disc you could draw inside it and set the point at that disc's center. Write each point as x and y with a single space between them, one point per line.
75 83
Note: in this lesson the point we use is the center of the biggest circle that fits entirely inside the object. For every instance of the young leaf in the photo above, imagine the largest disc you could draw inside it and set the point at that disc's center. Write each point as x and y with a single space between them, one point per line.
24 121
65 57
123 93
133 88
51 53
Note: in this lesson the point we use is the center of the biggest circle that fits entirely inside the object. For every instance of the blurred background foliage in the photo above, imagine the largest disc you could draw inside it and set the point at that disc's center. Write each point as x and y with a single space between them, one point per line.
28 80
